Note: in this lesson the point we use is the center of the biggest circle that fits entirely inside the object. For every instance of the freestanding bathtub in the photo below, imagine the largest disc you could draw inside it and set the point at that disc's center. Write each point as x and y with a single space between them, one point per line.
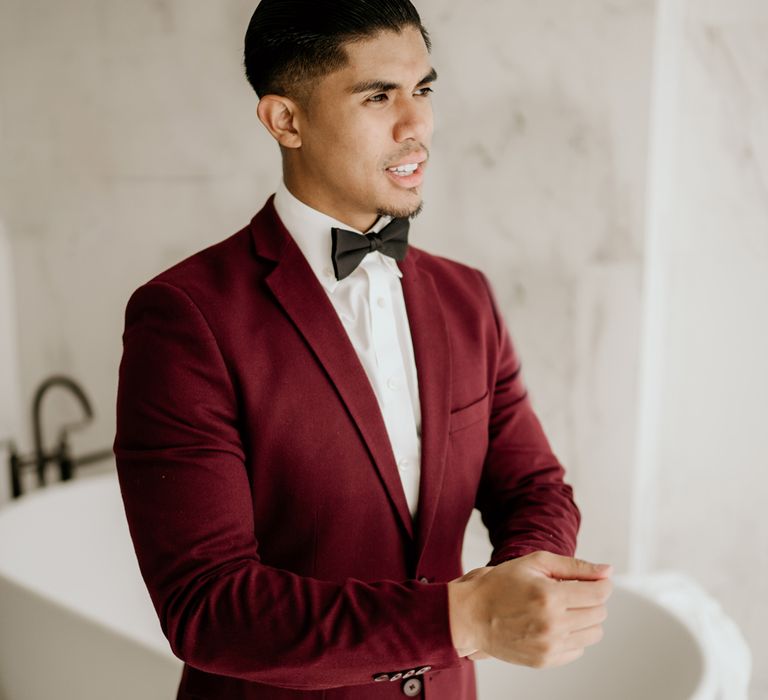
76 622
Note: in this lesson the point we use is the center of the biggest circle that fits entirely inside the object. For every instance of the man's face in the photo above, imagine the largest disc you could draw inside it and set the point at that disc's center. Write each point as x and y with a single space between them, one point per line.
362 120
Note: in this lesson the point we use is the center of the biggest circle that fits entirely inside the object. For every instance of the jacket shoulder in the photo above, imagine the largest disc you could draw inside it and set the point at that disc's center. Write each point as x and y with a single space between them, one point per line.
217 261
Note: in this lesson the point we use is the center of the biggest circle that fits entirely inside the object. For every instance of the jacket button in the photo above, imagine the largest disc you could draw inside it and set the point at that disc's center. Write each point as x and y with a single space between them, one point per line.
395 676
412 687
410 673
424 579
381 677
423 670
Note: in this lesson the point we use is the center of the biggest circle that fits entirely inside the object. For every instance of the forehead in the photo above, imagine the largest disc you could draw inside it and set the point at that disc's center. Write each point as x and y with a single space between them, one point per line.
388 56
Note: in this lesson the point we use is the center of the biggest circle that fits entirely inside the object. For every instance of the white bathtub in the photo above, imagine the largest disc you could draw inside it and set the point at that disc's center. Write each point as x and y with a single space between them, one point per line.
77 622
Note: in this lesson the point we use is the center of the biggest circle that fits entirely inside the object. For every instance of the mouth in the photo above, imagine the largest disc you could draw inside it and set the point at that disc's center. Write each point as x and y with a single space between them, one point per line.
407 175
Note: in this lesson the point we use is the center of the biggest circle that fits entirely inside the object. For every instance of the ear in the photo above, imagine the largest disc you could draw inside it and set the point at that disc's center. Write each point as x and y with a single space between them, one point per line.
279 115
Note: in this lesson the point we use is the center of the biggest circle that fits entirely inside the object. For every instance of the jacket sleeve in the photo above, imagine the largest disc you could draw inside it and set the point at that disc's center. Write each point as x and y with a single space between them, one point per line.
187 497
522 497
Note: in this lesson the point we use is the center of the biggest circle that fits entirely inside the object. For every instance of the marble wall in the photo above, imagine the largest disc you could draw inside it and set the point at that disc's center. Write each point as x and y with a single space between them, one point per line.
702 479
128 140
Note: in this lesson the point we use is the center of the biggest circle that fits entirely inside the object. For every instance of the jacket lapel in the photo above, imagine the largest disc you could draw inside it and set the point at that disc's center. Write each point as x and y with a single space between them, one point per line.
431 350
303 298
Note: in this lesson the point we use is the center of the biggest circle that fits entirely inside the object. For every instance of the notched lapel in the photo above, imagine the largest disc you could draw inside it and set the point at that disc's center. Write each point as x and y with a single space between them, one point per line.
303 298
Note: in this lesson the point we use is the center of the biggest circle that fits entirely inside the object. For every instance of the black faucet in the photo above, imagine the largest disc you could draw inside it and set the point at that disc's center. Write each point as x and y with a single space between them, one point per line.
61 454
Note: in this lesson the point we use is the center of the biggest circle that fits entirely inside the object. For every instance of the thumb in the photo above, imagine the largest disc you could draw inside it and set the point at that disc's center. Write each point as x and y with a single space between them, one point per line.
570 568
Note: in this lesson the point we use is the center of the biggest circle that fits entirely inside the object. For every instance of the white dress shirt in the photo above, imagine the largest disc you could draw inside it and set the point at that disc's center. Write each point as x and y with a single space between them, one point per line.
371 307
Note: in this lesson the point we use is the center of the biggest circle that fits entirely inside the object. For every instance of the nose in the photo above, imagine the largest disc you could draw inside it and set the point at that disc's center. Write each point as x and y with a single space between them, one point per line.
414 120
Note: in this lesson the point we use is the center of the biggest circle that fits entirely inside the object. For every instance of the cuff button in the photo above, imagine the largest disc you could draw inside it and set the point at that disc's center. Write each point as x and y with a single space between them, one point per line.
412 687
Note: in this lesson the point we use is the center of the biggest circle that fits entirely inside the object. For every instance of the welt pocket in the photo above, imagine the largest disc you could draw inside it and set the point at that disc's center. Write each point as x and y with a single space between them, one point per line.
468 415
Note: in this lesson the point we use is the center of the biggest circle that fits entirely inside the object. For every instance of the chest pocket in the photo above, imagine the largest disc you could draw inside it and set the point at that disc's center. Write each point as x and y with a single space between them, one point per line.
469 415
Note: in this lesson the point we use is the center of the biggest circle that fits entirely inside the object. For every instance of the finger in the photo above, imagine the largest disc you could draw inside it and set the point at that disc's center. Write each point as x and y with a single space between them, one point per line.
466 652
583 618
584 594
564 658
479 655
583 638
560 567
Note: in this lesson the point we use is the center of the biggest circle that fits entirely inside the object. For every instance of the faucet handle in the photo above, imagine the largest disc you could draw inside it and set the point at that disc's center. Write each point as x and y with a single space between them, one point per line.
14 465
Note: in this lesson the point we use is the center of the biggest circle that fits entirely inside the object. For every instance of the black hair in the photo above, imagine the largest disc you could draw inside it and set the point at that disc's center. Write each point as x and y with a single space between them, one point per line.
290 44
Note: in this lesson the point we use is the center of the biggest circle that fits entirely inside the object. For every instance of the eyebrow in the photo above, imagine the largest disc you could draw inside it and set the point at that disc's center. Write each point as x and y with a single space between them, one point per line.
384 86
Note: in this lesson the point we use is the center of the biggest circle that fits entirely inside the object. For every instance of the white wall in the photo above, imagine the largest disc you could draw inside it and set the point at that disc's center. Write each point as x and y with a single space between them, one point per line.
9 389
703 477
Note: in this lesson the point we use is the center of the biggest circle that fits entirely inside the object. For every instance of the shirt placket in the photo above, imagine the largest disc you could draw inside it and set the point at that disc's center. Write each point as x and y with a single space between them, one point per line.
393 390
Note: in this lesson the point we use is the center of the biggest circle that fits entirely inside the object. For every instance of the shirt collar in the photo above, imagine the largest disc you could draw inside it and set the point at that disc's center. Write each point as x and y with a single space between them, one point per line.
311 229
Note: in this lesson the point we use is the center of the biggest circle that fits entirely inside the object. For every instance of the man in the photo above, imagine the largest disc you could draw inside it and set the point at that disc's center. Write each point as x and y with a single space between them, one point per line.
307 415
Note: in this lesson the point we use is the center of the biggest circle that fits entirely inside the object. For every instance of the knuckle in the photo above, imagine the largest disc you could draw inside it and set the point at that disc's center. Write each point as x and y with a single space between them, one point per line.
538 594
544 629
545 591
539 555
541 658
544 647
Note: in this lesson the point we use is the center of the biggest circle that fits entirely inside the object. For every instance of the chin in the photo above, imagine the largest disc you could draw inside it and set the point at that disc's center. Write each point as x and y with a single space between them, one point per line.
401 211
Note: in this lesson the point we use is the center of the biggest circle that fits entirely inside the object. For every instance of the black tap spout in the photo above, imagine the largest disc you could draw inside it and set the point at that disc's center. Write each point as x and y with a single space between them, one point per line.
79 394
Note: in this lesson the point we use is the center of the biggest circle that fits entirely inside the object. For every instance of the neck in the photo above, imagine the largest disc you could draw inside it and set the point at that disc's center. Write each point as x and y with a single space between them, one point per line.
360 221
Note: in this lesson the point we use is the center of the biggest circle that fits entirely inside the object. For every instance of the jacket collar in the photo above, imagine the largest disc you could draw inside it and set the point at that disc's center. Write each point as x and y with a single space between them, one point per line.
311 231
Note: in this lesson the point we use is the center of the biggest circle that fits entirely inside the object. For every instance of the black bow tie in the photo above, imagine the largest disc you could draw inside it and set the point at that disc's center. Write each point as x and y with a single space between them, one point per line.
349 248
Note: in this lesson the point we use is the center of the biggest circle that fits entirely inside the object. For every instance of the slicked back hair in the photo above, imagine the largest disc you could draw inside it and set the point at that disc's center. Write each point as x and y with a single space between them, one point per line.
291 44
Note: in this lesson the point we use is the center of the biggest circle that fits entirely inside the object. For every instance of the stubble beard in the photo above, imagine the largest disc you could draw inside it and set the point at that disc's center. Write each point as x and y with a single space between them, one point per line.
409 213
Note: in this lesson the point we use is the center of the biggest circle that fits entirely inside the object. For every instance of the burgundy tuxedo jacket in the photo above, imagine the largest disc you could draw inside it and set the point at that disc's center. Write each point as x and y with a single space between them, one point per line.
260 487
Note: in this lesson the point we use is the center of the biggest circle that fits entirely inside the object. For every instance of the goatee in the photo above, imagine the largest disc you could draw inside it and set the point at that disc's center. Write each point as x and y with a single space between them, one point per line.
401 213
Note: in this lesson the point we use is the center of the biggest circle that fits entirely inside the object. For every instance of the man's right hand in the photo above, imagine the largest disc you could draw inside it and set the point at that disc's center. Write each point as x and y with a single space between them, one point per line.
539 610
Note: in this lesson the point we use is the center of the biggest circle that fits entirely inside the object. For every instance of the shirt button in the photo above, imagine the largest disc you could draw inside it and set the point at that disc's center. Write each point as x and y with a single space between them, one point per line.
412 687
402 464
391 383
381 303
328 272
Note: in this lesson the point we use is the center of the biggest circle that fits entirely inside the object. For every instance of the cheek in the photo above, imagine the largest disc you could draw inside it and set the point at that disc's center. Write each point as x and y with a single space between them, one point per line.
352 149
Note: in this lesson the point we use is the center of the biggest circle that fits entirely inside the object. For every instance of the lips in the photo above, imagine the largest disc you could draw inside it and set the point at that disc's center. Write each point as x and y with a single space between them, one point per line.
409 180
417 159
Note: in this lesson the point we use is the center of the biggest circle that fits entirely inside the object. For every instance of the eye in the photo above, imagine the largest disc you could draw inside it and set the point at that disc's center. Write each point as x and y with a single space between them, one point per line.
375 98
426 91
